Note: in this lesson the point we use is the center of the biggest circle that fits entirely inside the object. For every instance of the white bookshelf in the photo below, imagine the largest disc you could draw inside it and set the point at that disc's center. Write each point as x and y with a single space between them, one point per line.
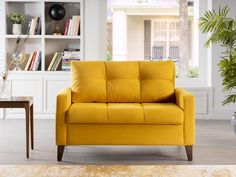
46 42
43 85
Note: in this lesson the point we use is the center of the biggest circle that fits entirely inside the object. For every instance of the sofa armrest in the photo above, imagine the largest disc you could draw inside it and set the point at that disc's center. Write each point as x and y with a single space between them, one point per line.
63 104
185 100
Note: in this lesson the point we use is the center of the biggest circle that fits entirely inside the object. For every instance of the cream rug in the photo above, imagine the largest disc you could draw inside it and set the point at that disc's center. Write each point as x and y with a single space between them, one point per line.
117 171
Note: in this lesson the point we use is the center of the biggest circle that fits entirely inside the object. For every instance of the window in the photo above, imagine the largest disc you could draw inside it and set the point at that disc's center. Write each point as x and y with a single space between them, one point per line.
165 39
150 30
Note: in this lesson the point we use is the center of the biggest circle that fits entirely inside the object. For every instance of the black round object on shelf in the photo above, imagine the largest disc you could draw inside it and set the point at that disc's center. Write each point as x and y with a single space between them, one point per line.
57 12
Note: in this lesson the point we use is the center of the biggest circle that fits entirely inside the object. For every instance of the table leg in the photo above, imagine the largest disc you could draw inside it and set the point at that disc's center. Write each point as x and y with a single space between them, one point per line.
4 113
32 125
27 112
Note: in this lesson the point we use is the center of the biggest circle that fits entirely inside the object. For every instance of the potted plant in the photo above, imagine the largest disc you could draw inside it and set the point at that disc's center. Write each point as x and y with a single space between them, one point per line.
223 31
16 19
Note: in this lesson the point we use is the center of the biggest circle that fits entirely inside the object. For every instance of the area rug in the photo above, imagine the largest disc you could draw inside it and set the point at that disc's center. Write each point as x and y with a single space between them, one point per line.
118 171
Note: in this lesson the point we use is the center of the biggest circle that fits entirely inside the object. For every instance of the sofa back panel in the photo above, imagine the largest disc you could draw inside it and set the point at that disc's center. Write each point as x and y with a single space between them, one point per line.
157 81
123 83
88 81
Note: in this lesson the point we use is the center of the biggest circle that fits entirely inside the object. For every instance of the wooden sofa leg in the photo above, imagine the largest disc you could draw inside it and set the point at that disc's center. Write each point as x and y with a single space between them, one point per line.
60 150
189 152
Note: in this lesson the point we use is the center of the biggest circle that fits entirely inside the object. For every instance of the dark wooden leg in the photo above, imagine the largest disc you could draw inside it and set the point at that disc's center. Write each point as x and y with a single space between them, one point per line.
60 150
27 112
32 125
4 113
189 152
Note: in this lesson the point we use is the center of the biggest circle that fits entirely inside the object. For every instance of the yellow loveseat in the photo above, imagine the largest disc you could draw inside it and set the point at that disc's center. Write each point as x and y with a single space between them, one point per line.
124 103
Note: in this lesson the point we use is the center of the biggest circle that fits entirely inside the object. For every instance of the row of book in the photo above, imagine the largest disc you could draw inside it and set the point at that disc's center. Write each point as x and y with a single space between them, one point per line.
64 58
34 62
68 55
72 26
55 62
34 26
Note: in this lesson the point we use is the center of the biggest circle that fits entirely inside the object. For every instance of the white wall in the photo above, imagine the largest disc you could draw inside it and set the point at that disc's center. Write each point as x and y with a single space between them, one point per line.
220 111
95 29
135 35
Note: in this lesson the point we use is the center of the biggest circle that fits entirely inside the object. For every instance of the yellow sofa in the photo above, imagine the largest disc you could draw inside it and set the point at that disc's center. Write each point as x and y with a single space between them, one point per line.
124 103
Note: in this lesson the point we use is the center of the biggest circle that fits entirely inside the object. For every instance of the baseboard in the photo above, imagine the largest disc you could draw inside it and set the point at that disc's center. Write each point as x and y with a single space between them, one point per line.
22 116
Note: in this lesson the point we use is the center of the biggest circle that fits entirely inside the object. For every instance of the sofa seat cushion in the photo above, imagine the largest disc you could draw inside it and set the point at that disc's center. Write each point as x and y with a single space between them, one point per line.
125 113
163 113
87 113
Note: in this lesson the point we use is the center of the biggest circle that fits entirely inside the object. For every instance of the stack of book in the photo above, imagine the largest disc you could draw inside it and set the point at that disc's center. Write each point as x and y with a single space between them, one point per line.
55 61
34 62
72 26
34 26
68 55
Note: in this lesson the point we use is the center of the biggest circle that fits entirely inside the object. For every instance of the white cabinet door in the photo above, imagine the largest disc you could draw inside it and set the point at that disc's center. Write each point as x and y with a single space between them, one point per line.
52 88
31 87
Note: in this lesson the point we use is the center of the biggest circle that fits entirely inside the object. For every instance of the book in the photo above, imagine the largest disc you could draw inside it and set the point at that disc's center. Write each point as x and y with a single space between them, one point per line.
52 61
66 64
29 61
31 26
37 25
39 28
67 26
74 19
70 27
57 62
32 62
68 56
71 54
37 61
34 25
28 28
77 26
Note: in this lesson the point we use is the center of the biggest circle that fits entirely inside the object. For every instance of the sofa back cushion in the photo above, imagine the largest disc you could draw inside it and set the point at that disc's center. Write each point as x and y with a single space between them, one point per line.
157 81
88 82
122 82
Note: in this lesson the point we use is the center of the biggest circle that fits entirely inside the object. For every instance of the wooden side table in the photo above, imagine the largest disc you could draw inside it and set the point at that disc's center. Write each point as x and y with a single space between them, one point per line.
27 104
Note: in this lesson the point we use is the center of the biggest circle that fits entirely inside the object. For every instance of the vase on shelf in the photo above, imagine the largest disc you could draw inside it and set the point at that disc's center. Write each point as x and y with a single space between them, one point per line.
16 29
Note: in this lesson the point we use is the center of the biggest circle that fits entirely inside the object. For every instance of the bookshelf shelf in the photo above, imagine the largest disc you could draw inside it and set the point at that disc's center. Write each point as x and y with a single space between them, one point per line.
61 37
51 73
23 1
11 36
75 1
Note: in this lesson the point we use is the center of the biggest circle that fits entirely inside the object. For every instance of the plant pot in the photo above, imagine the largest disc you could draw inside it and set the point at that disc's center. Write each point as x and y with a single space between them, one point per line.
16 29
233 122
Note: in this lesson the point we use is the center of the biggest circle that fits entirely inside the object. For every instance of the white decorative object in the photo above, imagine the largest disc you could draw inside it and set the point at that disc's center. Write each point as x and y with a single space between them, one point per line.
233 122
16 29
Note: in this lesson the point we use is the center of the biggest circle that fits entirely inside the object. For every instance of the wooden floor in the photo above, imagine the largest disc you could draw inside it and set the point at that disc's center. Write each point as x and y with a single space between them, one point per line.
215 144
